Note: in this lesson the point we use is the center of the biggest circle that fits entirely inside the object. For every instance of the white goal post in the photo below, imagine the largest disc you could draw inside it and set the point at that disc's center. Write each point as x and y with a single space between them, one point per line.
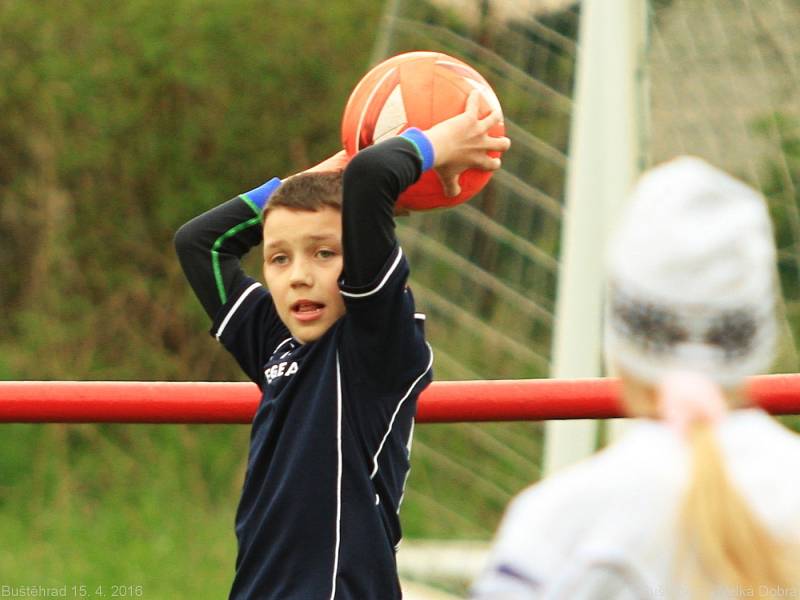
609 125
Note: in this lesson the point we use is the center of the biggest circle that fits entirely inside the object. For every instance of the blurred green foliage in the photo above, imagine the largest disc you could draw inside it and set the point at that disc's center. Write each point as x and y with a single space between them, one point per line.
122 120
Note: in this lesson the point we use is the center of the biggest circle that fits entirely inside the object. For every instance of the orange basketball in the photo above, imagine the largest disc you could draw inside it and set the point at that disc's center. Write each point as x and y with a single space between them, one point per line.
417 89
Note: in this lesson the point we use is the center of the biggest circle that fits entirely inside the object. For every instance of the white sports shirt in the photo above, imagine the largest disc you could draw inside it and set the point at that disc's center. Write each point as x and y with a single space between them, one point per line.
606 528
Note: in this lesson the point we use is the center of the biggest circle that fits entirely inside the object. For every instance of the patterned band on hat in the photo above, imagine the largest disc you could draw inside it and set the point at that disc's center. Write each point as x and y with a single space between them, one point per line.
691 269
648 337
659 328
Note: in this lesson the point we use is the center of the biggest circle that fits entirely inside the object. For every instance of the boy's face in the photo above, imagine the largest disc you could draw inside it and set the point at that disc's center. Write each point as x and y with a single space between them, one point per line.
302 265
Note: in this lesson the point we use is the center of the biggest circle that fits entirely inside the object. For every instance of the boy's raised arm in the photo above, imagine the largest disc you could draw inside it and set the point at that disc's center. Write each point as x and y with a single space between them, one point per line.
372 182
378 174
211 245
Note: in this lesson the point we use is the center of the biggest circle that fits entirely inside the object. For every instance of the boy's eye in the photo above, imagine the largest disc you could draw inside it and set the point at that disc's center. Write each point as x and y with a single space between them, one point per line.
325 253
279 259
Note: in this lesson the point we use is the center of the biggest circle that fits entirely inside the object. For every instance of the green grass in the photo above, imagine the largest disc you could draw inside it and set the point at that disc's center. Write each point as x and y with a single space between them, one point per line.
153 506
112 505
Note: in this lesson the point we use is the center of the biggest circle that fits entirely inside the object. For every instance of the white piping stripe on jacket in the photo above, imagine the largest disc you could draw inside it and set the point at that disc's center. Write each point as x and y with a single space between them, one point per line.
234 308
383 281
279 346
338 474
408 471
397 410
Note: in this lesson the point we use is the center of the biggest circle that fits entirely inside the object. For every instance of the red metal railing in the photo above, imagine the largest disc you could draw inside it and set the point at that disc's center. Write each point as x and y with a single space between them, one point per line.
449 401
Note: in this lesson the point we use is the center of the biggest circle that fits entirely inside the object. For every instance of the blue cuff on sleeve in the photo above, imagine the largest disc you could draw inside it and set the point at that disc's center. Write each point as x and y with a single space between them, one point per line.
259 196
422 144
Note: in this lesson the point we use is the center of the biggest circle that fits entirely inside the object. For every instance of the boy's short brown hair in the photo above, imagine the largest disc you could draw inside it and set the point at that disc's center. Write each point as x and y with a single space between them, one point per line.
308 191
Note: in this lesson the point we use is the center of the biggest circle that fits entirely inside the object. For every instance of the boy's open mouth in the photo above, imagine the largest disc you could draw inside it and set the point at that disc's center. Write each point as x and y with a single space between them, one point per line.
306 310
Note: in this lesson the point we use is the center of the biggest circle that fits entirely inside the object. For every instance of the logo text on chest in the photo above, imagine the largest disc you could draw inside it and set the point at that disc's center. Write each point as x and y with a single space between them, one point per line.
281 369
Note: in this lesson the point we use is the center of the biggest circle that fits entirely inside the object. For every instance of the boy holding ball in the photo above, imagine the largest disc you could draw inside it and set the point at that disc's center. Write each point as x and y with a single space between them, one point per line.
339 353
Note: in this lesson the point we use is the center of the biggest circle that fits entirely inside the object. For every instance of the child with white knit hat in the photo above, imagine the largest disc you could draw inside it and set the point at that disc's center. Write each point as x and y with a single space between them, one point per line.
700 498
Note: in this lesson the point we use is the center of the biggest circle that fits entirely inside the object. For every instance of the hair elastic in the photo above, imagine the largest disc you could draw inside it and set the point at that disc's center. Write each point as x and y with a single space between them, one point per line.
686 398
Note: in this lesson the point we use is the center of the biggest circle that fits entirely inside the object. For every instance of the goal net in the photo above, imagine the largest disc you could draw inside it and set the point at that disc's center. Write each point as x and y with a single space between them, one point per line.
721 79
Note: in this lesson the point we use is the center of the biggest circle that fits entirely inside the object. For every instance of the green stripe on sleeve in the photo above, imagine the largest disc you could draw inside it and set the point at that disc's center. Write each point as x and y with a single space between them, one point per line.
251 204
223 296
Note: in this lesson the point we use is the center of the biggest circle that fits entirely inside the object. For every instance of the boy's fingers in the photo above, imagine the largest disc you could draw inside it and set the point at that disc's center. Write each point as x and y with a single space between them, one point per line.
473 102
449 183
451 187
498 144
493 164
486 163
492 119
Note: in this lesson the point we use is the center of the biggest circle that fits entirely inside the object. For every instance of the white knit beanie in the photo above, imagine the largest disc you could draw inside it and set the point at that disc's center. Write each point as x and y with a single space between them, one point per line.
692 277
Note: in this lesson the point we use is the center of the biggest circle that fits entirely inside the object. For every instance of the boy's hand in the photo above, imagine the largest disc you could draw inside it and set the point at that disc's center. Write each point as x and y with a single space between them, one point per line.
337 162
462 142
332 164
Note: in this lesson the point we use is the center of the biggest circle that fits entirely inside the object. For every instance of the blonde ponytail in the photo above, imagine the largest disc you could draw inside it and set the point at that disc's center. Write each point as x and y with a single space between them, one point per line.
724 542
